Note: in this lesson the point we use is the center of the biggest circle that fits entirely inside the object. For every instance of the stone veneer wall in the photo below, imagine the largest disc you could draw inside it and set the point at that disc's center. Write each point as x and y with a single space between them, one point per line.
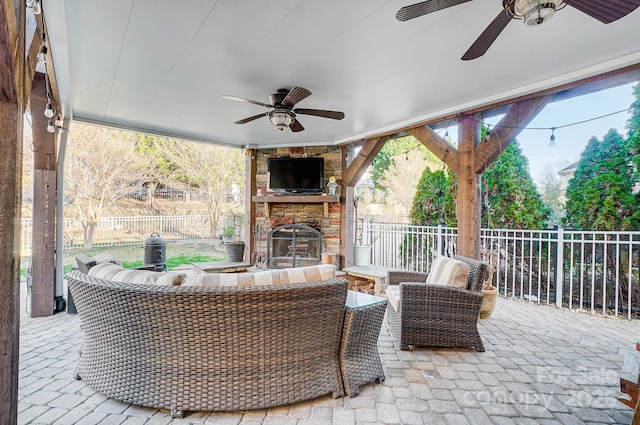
308 214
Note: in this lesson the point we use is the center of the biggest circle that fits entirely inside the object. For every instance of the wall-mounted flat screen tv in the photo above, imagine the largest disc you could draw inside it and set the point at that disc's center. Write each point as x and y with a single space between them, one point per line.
296 175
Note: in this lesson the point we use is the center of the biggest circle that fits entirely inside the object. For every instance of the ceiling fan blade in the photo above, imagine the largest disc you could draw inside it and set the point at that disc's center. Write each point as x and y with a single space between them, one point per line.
296 95
249 119
334 115
605 11
242 99
488 36
424 8
295 126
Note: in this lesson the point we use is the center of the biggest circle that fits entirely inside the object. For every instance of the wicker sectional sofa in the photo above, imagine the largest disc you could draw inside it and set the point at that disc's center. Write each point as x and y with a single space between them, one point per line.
213 347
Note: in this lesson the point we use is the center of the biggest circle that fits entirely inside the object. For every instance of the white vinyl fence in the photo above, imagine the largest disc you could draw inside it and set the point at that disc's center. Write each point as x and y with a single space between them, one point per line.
592 271
127 230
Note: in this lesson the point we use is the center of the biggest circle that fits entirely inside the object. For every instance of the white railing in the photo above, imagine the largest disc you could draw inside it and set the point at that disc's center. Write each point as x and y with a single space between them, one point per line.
592 271
129 230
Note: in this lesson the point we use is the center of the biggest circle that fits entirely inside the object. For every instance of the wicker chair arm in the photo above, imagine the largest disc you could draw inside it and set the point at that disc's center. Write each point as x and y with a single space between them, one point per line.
395 277
424 296
85 263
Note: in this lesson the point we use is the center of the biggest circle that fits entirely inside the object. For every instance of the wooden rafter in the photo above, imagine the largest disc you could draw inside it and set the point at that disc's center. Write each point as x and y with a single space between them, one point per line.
363 159
519 116
30 61
439 146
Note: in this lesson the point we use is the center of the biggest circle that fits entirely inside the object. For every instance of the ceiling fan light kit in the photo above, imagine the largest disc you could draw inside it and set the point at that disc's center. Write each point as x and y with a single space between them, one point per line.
281 119
284 114
534 12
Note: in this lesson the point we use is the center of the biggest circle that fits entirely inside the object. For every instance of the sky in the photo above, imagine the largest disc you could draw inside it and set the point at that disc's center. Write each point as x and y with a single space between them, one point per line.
571 141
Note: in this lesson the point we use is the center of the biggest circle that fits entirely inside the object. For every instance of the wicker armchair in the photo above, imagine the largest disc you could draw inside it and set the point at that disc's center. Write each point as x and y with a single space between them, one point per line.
429 315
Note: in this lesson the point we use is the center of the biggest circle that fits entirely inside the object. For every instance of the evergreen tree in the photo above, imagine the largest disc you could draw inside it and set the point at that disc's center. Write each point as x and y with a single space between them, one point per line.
434 201
600 196
633 141
510 198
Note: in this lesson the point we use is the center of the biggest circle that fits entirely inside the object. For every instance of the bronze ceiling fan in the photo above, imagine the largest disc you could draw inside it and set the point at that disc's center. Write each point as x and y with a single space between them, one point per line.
532 12
283 114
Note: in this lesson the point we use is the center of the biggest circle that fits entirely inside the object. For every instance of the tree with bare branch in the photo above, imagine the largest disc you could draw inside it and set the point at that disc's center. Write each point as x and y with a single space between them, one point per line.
100 168
217 172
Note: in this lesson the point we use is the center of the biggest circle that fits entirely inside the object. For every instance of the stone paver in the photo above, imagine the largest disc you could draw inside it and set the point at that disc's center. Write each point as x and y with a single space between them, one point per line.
542 365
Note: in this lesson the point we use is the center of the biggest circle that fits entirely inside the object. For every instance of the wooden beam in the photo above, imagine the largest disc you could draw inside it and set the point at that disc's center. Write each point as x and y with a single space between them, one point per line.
346 215
469 200
363 160
44 204
250 170
31 61
8 52
519 116
11 124
436 144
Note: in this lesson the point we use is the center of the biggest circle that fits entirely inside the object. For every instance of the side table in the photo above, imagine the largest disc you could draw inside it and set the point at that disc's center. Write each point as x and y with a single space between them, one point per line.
375 273
359 358
220 267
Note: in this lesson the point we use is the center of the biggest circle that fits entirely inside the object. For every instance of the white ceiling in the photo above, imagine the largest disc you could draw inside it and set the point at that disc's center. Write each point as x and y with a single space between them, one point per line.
161 66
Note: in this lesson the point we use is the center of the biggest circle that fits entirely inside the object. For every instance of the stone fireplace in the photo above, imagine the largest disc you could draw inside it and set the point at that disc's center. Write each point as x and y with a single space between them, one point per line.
293 245
314 220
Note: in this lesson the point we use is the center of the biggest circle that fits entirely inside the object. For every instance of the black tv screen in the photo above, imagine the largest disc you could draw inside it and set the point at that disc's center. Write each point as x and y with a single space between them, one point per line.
296 175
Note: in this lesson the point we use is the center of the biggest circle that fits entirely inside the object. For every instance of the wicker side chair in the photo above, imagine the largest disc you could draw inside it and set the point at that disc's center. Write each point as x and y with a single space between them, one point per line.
429 315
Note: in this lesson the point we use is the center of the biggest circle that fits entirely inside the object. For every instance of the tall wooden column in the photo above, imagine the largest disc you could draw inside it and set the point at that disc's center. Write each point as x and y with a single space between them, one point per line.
250 167
44 204
469 205
10 200
12 66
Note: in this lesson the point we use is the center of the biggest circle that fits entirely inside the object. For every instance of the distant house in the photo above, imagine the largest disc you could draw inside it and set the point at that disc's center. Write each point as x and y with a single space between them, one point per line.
567 172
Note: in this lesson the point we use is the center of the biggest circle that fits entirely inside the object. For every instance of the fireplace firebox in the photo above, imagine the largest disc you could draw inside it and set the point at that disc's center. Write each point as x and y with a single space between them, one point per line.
293 245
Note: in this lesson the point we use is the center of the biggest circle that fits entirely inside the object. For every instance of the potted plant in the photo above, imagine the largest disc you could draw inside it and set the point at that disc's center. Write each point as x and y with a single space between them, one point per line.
234 247
489 291
227 233
361 253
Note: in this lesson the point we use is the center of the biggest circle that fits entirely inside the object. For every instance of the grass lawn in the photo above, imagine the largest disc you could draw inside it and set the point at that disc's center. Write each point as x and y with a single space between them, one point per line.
178 254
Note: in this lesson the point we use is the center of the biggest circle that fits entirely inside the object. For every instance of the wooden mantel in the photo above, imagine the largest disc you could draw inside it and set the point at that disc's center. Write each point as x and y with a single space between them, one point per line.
295 199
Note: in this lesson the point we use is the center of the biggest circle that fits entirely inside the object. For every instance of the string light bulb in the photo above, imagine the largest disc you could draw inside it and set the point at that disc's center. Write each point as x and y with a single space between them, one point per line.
34 6
42 55
446 133
50 127
48 110
552 139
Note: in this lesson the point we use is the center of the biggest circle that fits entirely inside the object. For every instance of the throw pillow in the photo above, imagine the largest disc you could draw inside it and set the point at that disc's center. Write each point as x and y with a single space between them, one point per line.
449 272
105 257
115 273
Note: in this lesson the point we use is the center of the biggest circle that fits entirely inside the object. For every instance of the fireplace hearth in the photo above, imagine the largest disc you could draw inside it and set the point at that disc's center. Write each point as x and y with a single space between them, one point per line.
293 245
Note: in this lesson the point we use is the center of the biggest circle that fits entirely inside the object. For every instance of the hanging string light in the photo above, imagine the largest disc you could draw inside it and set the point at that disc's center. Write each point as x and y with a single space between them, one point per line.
552 139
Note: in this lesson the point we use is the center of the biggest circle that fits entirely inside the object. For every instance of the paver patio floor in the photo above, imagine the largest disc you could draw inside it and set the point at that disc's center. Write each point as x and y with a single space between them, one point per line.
542 366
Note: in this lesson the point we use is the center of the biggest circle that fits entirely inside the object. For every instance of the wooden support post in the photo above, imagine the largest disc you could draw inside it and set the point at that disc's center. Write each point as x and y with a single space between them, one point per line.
249 206
44 204
469 200
346 214
12 71
10 201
